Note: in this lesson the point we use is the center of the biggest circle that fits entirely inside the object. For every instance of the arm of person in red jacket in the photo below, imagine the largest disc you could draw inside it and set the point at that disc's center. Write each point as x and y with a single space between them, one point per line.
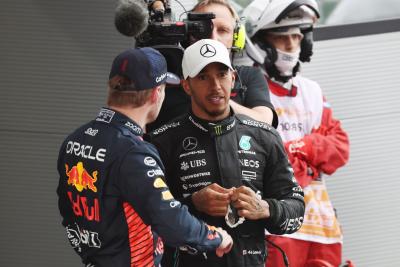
324 150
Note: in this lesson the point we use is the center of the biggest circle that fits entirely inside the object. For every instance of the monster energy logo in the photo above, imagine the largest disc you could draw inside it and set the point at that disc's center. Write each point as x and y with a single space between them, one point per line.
218 129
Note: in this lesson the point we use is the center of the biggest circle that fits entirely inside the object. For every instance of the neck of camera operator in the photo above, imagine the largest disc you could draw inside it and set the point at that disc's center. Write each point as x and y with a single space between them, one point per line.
224 22
208 79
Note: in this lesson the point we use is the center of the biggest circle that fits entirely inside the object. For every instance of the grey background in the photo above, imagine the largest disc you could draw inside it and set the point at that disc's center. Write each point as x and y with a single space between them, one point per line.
360 78
54 63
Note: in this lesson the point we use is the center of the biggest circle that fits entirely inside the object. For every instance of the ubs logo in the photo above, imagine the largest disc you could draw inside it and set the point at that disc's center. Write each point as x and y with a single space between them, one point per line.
189 143
207 50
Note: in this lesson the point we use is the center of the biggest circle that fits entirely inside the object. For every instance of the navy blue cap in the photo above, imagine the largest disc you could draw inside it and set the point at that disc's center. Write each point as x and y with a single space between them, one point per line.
145 67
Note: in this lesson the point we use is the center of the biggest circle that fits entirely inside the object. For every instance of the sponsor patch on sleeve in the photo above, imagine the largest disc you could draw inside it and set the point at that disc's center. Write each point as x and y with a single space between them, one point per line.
166 195
159 183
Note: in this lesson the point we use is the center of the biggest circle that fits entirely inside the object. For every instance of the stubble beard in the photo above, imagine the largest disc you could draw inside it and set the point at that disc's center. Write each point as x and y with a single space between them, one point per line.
211 113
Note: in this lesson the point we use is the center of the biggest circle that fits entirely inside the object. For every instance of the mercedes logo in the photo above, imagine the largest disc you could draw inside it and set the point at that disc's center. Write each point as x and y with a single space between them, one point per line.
189 143
207 50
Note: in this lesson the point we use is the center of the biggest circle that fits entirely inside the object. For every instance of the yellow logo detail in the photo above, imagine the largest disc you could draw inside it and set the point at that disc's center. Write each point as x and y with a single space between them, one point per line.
166 195
159 183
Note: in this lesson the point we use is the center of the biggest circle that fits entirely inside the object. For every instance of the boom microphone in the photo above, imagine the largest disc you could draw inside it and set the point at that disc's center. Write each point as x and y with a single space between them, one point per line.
131 17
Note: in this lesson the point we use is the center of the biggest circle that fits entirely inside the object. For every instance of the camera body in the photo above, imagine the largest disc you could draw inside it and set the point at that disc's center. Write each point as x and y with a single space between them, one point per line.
162 30
171 37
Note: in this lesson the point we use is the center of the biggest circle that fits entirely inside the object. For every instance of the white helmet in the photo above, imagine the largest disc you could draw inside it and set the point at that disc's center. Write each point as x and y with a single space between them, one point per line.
278 15
269 14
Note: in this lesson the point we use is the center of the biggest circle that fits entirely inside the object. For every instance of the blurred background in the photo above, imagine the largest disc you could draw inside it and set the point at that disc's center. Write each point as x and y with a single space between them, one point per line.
334 12
54 62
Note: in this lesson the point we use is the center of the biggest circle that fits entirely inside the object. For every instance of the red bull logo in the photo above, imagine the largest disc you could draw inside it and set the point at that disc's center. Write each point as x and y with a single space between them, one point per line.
80 178
212 234
82 207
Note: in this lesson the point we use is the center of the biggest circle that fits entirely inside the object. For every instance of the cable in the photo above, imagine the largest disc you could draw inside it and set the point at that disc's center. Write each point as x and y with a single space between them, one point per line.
184 9
285 258
176 257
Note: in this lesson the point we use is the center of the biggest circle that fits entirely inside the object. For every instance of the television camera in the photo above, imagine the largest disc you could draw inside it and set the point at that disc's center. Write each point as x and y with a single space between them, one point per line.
151 23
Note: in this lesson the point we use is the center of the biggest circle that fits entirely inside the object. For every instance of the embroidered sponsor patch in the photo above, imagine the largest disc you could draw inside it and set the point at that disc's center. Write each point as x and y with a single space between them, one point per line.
159 183
105 115
244 142
80 178
149 161
166 195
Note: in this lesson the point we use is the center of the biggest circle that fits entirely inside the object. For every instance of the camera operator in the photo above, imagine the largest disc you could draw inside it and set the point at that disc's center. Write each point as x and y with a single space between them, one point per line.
250 95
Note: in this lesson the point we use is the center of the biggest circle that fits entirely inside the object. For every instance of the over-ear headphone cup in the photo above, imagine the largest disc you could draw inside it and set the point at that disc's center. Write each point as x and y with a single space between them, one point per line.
271 57
306 46
239 36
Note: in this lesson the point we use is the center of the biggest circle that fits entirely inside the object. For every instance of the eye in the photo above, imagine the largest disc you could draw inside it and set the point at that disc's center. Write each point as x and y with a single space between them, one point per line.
201 77
298 37
223 74
224 30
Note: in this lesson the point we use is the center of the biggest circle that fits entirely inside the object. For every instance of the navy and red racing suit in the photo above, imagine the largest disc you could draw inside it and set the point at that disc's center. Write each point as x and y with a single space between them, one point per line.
116 208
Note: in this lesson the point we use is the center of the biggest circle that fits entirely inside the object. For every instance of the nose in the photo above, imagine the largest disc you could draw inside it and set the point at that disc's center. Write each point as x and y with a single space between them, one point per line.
214 34
291 43
215 84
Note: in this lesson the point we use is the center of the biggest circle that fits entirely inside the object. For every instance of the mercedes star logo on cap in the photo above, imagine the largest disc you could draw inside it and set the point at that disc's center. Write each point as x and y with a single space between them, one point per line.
189 143
207 50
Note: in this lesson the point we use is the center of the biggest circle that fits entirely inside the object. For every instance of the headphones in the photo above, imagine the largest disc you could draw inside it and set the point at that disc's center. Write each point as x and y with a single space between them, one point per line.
306 44
239 36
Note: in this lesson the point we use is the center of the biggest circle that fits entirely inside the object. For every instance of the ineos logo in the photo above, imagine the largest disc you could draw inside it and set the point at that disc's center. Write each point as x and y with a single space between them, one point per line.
207 50
189 143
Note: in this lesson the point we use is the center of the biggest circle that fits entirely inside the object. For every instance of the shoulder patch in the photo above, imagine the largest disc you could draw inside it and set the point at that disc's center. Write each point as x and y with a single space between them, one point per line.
165 127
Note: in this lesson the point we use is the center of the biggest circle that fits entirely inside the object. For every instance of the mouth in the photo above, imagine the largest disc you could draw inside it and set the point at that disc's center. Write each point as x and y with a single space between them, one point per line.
216 99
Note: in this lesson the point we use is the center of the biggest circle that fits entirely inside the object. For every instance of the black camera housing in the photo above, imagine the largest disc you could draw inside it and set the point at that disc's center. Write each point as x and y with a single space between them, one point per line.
171 37
197 26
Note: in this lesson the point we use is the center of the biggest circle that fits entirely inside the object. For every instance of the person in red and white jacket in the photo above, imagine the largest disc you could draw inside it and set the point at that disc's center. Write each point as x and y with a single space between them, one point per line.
314 140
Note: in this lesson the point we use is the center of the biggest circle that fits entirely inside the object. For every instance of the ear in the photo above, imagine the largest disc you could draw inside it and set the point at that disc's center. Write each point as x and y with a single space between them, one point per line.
233 78
186 87
155 94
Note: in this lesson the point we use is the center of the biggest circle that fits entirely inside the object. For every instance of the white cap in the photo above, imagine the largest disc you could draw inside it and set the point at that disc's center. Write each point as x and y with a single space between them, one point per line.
202 53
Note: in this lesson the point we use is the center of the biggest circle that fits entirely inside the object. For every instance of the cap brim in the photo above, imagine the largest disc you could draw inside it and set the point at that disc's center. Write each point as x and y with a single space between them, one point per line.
172 79
199 67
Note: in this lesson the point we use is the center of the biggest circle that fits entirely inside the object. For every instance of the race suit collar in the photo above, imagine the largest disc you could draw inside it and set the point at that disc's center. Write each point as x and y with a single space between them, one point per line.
215 128
107 115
